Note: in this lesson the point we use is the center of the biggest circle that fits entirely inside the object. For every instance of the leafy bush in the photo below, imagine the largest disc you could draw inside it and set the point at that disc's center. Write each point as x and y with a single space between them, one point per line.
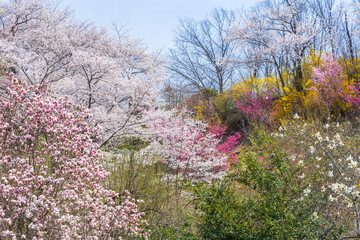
141 173
332 149
264 198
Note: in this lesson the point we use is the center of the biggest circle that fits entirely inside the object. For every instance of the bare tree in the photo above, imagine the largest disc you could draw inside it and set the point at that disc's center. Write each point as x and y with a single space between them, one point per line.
200 48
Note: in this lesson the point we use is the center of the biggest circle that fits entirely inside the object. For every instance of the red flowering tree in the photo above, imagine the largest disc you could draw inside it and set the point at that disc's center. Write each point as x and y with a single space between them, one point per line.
50 185
257 107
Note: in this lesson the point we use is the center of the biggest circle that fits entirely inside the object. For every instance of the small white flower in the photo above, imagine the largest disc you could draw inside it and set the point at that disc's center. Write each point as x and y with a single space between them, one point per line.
312 149
302 176
331 198
301 163
318 136
349 158
326 126
306 192
330 174
335 187
296 116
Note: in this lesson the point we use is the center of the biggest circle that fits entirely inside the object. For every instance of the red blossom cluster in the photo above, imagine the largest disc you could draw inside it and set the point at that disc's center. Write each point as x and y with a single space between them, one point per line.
256 107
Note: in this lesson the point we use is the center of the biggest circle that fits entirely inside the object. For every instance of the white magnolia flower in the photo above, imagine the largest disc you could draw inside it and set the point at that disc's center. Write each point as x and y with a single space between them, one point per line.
318 136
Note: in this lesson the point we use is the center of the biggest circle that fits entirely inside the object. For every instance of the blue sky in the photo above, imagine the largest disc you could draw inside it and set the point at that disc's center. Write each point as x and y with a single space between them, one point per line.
151 20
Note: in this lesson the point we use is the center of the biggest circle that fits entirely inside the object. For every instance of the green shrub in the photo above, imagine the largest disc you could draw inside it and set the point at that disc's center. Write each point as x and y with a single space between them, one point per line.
263 198
146 178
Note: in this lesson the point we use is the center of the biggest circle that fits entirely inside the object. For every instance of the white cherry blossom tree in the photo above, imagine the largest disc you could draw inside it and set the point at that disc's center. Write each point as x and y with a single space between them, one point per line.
111 74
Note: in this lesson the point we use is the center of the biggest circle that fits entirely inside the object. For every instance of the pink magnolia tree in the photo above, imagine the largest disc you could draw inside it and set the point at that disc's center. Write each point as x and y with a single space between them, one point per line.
51 177
111 74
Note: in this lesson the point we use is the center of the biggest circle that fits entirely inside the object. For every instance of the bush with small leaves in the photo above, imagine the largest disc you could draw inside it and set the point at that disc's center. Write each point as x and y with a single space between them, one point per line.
265 197
332 149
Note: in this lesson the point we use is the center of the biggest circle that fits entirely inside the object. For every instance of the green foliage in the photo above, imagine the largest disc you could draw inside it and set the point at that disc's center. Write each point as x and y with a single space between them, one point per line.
172 232
220 213
263 198
146 178
332 149
132 143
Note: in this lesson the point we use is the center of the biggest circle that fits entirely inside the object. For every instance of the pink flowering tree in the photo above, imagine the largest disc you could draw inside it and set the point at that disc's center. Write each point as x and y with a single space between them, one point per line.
328 80
333 90
257 108
188 148
353 99
51 177
228 144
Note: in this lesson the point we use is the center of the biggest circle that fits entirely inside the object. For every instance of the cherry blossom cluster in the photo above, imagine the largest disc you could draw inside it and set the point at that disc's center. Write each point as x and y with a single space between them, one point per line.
111 74
51 177
188 148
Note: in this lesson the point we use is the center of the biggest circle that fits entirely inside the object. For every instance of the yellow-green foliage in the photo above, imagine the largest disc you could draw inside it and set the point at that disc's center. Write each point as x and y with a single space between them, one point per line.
351 69
252 84
308 102
313 59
